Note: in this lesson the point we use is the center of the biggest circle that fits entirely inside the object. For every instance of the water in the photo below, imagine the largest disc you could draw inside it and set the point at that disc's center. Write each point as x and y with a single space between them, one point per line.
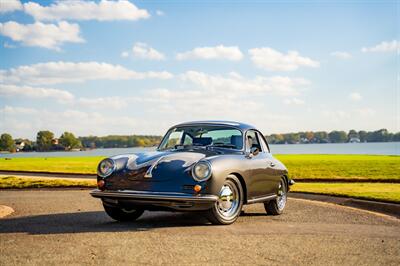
382 148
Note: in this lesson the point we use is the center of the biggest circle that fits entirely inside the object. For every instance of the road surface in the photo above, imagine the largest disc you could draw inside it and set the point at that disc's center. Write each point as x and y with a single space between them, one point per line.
69 227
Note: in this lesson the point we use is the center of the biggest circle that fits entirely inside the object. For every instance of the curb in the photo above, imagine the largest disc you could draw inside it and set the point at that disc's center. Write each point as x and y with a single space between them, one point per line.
5 210
391 209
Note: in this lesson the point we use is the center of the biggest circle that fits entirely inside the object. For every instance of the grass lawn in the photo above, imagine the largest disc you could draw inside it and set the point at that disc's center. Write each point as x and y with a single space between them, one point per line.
373 191
27 182
84 165
377 167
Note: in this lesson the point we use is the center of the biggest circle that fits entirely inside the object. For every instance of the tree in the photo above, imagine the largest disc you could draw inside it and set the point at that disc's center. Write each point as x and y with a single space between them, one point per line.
69 141
7 143
362 135
44 140
337 136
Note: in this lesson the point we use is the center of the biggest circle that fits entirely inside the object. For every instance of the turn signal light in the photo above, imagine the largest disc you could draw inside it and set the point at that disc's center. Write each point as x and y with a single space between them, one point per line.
197 188
101 184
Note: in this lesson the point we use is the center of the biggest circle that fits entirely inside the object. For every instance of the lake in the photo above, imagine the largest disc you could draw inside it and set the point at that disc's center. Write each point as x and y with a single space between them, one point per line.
382 148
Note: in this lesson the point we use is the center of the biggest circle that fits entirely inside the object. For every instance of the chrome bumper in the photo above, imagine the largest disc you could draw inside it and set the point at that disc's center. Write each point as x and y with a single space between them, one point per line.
157 196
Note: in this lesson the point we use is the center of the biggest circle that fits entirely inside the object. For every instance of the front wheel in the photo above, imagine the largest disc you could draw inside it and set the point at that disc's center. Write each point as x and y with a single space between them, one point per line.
229 204
276 206
122 214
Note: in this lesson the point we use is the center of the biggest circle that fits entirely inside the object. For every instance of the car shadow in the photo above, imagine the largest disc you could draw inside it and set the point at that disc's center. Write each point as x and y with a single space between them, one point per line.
98 221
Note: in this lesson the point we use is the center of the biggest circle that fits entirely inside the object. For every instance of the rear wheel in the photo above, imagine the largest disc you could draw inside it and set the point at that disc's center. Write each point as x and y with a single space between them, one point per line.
276 206
229 204
123 214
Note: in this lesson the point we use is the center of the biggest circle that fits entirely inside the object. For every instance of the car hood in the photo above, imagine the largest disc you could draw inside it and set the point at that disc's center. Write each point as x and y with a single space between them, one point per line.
161 165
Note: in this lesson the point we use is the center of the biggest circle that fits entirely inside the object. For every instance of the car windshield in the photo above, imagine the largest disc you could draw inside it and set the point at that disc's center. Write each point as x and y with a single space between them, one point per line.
208 135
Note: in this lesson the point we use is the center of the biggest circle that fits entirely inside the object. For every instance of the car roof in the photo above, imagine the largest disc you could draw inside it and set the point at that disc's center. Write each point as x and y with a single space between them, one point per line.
239 125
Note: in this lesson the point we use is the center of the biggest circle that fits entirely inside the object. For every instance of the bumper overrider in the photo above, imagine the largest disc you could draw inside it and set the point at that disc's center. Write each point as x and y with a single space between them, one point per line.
148 199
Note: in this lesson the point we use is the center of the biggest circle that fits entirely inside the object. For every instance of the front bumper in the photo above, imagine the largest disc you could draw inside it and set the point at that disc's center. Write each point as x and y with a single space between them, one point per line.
149 200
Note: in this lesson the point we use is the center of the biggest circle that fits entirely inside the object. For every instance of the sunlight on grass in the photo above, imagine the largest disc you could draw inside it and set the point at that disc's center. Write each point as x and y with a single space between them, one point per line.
373 191
25 182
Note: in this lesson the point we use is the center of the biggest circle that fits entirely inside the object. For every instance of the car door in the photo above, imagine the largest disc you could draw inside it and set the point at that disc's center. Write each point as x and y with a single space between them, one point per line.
262 180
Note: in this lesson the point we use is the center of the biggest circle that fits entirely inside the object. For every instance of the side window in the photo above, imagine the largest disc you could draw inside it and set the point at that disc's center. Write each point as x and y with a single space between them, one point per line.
188 140
174 139
252 140
264 144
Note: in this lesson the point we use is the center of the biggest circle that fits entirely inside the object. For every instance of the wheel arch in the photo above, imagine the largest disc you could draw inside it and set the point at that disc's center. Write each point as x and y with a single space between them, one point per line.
243 184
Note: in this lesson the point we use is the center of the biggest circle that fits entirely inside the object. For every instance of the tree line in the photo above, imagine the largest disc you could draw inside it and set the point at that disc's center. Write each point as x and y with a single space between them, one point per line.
382 135
46 141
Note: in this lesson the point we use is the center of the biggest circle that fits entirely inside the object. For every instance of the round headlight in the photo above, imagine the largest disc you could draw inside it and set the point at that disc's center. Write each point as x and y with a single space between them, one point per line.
106 167
201 171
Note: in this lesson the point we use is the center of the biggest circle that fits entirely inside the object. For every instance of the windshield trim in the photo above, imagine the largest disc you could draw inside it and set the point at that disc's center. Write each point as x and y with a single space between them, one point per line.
204 124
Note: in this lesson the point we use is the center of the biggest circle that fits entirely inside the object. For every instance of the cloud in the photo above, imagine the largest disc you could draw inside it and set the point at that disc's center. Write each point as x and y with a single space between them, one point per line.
355 96
10 6
383 47
50 36
66 72
231 53
237 84
36 93
341 55
79 122
144 51
115 103
270 59
160 13
293 101
86 10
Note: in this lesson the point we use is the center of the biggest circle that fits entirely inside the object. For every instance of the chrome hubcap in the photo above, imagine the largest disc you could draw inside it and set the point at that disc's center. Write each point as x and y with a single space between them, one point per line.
281 200
228 201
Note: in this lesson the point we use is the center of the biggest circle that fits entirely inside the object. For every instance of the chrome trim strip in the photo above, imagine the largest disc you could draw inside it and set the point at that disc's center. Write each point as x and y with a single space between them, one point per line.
132 194
261 199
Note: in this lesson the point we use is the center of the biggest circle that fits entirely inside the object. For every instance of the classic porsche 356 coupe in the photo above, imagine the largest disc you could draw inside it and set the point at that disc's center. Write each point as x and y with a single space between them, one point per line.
209 166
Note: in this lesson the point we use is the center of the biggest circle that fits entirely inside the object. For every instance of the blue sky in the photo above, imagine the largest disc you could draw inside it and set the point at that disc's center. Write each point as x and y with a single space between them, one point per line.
137 67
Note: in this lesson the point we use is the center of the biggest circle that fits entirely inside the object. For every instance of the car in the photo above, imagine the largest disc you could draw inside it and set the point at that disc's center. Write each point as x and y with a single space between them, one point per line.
212 167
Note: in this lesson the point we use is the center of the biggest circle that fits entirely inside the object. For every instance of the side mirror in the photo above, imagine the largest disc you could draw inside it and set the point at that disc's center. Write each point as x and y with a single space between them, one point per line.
254 151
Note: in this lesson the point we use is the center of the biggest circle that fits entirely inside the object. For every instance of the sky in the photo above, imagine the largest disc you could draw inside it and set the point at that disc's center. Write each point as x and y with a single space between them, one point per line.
139 67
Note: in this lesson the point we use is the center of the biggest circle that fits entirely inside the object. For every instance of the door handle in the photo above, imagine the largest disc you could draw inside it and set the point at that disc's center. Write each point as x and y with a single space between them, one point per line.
272 164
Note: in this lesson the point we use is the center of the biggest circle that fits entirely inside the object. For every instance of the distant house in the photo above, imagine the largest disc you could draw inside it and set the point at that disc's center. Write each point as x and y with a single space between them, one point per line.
19 145
354 140
54 141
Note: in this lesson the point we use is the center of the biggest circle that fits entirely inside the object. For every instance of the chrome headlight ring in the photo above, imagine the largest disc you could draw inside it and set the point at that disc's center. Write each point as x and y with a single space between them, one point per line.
106 167
201 171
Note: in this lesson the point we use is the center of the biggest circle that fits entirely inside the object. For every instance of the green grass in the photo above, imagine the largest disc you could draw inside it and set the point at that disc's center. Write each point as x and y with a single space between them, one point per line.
24 182
373 191
366 167
84 165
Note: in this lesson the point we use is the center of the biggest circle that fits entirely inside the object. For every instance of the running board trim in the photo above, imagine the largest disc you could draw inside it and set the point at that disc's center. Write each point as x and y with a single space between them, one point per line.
261 199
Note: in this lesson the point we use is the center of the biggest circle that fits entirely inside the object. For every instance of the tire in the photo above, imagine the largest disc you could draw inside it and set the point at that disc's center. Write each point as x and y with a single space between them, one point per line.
276 206
123 215
229 206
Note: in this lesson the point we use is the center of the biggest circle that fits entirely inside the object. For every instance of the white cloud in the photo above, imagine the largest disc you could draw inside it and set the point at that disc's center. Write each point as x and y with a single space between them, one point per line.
293 101
231 53
383 47
125 54
114 103
64 72
270 59
237 84
50 36
160 13
36 93
366 112
144 51
355 96
78 122
86 10
10 6
341 55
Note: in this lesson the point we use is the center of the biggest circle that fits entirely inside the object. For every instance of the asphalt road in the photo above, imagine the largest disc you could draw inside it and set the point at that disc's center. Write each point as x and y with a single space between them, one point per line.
69 227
